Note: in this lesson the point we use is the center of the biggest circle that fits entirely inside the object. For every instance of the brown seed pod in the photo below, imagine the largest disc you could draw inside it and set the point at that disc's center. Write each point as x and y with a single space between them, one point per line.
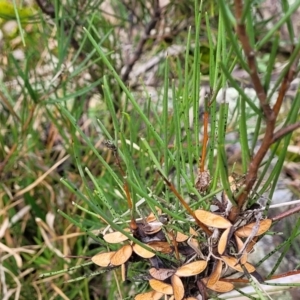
163 247
219 286
193 232
246 230
202 181
151 218
142 252
180 237
216 273
191 269
202 289
224 239
152 228
115 237
212 220
161 274
121 256
153 295
234 263
251 244
178 288
161 287
240 246
103 259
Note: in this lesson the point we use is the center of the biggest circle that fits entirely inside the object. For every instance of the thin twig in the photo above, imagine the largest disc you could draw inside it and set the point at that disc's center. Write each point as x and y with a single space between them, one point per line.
284 131
286 213
269 113
270 117
285 85
139 50
250 55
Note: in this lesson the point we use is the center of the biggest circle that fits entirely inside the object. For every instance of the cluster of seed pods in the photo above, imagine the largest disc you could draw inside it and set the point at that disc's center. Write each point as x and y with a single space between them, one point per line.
195 267
186 265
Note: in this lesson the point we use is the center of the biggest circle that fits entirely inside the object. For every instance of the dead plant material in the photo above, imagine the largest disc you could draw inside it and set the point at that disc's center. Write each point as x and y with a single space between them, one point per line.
103 259
245 231
178 288
191 269
212 220
161 287
153 295
121 256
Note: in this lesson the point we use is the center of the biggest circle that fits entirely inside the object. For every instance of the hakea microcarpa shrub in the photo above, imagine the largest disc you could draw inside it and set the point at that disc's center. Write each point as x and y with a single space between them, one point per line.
195 266
185 266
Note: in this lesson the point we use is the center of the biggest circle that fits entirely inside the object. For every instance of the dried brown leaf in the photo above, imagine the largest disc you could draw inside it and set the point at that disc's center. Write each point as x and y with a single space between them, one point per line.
234 263
103 259
251 244
257 276
178 288
240 246
191 269
151 218
194 244
142 252
121 256
223 242
180 237
193 232
219 286
250 268
161 287
202 289
153 295
163 247
216 273
212 220
115 237
152 228
246 230
161 274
